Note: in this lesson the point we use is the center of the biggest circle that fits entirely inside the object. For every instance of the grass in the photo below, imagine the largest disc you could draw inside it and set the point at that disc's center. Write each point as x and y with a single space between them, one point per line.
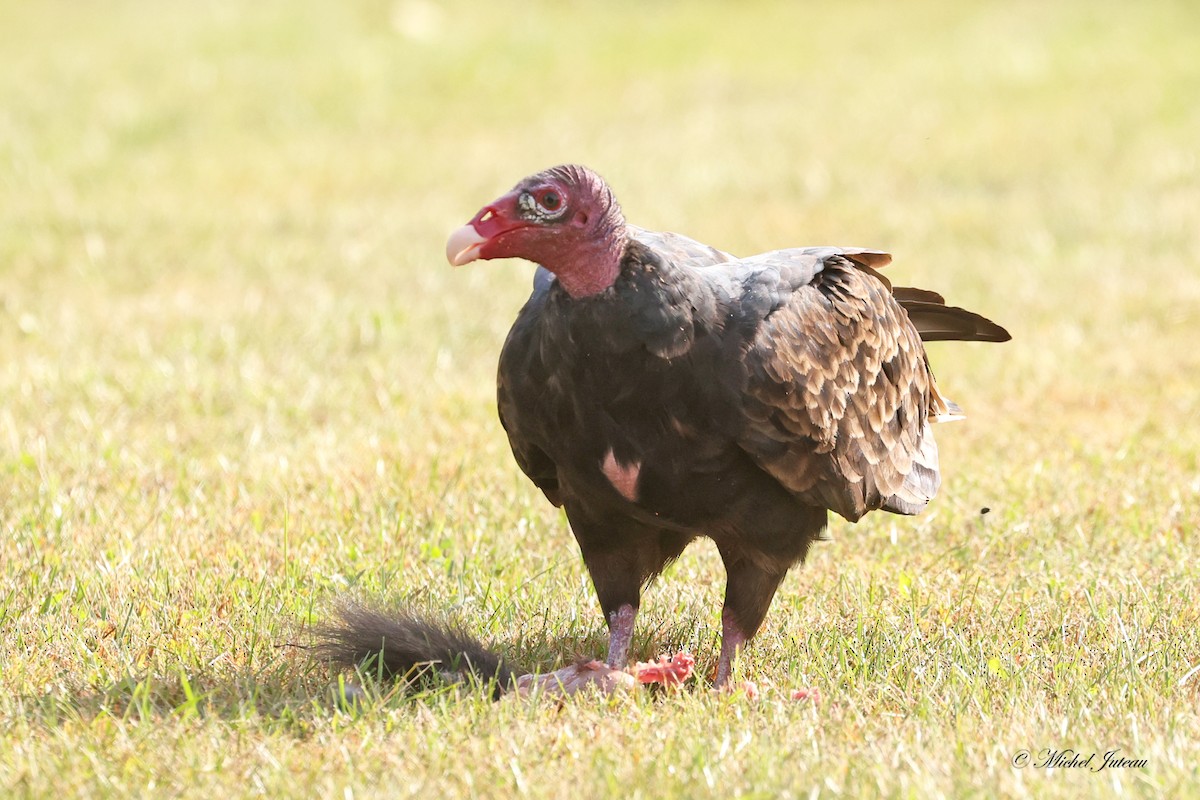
238 381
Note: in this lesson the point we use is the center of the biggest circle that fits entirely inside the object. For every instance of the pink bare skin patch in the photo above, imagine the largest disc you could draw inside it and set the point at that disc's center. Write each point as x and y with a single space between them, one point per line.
623 477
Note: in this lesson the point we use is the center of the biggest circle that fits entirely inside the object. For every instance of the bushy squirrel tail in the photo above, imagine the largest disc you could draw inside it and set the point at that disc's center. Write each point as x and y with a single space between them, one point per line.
403 644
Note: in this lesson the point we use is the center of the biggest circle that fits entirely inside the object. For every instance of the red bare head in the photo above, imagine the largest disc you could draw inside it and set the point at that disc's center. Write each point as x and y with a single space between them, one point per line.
564 218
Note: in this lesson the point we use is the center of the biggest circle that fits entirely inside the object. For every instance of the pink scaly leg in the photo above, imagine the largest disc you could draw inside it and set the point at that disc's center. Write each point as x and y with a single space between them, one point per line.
620 635
732 639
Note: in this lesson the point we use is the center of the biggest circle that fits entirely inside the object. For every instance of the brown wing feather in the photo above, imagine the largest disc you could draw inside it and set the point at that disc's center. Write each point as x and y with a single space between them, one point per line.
839 397
841 394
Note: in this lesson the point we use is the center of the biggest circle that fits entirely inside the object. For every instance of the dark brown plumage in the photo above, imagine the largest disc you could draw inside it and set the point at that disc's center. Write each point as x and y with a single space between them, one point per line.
659 389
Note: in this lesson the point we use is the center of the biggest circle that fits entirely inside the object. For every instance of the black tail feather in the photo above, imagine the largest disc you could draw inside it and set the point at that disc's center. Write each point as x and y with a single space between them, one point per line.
403 644
938 323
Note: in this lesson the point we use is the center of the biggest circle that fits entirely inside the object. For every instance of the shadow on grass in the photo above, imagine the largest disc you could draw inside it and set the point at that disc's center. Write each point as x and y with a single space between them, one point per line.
294 688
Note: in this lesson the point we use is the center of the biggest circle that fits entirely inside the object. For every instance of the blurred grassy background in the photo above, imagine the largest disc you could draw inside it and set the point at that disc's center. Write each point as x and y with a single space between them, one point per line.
238 379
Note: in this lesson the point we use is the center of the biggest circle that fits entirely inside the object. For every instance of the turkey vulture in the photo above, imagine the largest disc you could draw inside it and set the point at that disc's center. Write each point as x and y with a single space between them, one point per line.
659 389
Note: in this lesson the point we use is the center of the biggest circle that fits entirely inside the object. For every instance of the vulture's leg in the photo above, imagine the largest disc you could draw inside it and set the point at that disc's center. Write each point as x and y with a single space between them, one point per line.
748 593
622 557
620 634
756 565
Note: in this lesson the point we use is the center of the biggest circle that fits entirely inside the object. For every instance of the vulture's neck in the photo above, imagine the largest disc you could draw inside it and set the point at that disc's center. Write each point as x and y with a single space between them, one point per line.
587 269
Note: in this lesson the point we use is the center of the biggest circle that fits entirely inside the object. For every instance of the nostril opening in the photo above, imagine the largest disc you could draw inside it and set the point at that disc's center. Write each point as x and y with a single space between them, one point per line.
487 216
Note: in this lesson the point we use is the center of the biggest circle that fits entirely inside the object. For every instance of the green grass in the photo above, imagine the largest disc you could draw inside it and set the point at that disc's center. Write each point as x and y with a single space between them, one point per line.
237 381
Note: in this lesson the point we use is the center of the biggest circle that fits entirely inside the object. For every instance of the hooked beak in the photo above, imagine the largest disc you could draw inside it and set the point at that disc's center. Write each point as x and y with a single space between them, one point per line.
463 245
493 221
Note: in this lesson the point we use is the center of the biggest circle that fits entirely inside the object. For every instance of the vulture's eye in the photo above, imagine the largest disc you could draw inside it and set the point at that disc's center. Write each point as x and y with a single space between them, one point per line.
550 201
